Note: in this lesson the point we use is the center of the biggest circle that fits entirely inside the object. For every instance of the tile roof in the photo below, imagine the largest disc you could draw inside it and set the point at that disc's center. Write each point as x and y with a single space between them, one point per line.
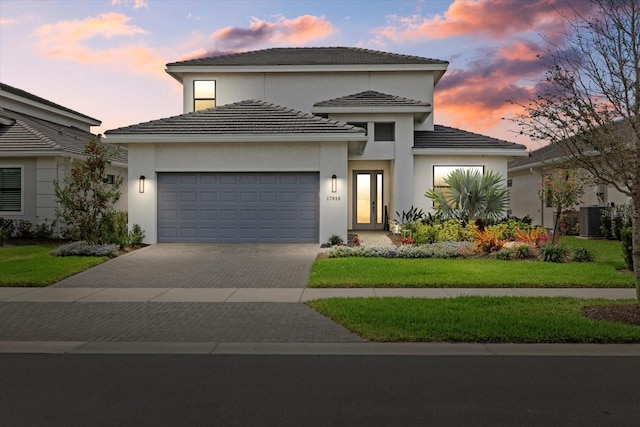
447 137
312 56
251 117
20 133
371 98
24 94
547 153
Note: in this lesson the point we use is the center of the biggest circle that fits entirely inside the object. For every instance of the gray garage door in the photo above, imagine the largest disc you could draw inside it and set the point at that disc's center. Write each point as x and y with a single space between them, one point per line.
238 207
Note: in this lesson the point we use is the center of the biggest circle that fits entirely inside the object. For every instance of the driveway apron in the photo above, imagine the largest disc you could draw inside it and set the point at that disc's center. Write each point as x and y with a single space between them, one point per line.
203 265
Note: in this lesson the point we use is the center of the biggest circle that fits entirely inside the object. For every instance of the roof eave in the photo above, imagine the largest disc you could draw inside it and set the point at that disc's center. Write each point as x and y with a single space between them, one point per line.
194 138
417 110
178 71
501 152
79 117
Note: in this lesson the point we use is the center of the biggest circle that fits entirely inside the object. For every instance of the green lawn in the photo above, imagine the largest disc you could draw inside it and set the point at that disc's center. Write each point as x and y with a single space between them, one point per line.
475 319
33 266
434 273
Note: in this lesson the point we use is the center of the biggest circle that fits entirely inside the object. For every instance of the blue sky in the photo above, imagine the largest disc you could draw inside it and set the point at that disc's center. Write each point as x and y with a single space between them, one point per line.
105 58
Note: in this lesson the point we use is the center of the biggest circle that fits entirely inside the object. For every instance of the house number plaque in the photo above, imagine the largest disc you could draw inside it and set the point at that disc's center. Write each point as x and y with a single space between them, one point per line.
333 198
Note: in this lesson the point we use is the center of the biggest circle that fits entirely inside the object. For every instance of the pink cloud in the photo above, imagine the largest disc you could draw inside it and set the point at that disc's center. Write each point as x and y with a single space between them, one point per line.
297 31
71 40
7 21
490 18
477 96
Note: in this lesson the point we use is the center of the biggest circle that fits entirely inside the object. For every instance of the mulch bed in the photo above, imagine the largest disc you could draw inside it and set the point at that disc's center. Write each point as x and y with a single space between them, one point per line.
628 314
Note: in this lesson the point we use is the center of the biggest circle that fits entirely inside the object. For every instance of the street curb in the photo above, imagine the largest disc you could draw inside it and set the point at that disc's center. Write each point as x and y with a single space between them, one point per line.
321 349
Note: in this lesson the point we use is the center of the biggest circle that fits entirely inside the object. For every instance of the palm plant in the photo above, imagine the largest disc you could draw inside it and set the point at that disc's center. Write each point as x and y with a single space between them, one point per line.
470 195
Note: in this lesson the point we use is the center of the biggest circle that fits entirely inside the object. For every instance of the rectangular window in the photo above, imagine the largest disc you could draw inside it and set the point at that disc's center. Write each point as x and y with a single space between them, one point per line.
384 131
509 183
440 173
10 189
204 94
110 179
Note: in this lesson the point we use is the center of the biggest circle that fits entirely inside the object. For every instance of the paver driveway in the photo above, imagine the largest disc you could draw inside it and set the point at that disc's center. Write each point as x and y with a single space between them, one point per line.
203 265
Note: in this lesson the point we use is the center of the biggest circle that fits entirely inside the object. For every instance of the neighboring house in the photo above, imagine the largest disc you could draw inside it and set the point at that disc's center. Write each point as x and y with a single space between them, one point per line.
38 141
525 175
295 145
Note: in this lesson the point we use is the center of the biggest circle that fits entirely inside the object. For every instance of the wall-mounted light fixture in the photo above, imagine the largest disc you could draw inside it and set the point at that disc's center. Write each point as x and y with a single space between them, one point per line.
334 184
141 184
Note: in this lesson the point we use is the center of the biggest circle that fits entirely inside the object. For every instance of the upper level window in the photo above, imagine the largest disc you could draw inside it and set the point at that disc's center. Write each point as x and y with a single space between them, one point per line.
384 131
10 189
204 94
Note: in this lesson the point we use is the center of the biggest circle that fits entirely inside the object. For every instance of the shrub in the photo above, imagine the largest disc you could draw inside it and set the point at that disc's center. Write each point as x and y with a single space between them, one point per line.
335 240
424 233
24 229
115 229
535 236
523 251
503 254
627 246
581 255
136 235
436 250
552 253
45 230
83 248
512 226
489 239
455 231
614 219
6 229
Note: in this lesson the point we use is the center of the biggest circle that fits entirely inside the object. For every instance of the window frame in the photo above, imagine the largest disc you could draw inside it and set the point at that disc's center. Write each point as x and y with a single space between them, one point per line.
21 169
375 131
196 99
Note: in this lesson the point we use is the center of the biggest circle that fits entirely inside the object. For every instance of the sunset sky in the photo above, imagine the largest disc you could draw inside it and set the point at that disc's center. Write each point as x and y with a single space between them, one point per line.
106 58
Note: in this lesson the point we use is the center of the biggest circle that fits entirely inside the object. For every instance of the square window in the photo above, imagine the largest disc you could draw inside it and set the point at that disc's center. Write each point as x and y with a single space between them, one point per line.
384 131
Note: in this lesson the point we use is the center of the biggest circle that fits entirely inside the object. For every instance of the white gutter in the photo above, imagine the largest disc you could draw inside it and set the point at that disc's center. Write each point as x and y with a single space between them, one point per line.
85 119
510 152
191 138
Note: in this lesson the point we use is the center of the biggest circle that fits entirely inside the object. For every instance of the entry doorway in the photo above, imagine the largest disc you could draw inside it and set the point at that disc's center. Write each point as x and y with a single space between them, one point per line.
368 205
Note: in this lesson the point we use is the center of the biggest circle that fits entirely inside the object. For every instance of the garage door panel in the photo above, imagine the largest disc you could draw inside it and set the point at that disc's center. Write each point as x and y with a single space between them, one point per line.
238 207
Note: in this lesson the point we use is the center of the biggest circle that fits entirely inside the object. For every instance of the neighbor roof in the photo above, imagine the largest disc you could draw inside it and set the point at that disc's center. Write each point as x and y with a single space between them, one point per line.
251 117
536 157
26 95
23 134
311 56
450 138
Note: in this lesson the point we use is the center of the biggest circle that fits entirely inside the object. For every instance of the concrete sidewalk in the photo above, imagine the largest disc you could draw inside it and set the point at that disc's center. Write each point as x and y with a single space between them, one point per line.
284 295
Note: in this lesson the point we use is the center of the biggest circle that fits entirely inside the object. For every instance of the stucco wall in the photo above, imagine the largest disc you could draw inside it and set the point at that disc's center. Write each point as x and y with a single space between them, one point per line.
301 90
525 199
423 172
326 158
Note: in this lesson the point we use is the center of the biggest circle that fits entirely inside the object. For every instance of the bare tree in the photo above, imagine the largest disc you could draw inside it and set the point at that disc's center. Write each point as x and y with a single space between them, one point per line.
589 103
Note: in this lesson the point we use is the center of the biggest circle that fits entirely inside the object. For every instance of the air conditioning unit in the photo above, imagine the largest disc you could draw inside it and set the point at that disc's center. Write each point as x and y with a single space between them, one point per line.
590 220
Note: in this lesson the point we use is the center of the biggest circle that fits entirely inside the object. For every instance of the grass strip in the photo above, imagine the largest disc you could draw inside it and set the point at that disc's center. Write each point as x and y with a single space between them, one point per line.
475 319
32 266
471 273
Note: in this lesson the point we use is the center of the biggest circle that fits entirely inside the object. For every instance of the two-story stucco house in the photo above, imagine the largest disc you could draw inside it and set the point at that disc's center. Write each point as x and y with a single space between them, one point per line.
295 145
39 139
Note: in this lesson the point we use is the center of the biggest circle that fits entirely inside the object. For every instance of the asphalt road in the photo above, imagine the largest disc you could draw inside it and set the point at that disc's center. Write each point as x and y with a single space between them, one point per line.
201 390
